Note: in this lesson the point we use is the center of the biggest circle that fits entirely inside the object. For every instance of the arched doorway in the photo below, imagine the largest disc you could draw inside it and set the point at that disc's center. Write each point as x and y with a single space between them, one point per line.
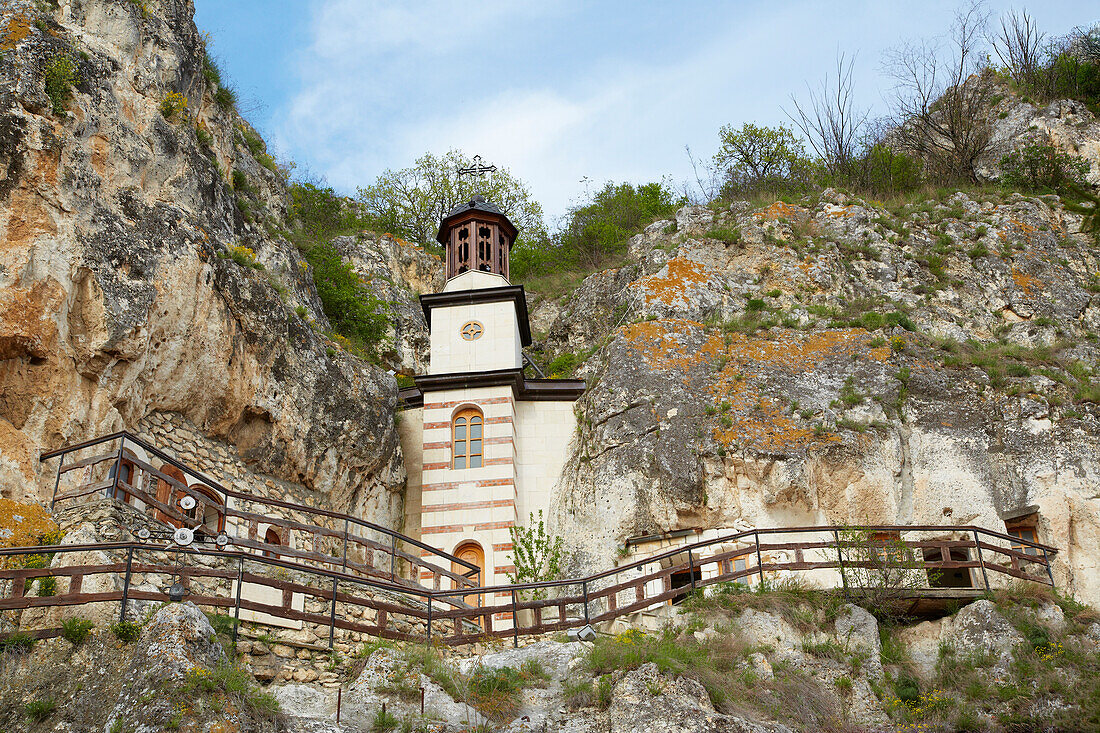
166 492
472 553
208 510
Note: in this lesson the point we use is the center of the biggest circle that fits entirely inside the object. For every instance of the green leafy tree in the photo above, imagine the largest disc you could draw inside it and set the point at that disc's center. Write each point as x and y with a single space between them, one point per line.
536 555
351 306
1042 168
755 157
410 202
595 232
885 571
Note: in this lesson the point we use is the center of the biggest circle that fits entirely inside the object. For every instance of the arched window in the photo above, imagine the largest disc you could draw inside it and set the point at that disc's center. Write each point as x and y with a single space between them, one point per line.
271 537
466 438
207 510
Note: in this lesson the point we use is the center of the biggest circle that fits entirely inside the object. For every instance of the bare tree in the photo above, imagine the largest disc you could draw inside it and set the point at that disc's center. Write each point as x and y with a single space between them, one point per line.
1019 46
943 95
829 119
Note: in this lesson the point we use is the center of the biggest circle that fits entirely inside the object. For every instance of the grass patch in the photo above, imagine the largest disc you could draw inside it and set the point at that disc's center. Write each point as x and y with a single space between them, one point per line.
39 710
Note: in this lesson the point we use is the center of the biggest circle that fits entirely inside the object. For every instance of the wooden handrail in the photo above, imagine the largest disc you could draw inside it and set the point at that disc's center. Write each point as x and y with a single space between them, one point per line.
461 613
242 496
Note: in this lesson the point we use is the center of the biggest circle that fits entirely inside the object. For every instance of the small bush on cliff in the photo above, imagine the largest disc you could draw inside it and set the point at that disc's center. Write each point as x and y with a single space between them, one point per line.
19 642
126 631
1042 168
351 307
75 630
39 710
61 75
537 555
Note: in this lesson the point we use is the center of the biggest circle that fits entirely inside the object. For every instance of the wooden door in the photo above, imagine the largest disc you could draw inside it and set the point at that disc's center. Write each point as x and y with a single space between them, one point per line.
472 553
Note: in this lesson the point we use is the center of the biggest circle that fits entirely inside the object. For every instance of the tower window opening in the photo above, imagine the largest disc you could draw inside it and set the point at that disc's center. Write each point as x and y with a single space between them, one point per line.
467 439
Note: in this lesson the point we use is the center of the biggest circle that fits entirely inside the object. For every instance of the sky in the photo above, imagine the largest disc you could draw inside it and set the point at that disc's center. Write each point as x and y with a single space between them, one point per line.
567 95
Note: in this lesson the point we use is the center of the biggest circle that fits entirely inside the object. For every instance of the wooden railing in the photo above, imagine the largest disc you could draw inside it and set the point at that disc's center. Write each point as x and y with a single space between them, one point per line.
977 559
326 539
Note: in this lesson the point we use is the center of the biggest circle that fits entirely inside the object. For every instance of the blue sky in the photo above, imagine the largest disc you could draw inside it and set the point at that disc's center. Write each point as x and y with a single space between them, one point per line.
555 91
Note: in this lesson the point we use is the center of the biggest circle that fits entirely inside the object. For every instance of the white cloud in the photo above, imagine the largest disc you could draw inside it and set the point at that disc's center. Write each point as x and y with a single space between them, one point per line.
557 92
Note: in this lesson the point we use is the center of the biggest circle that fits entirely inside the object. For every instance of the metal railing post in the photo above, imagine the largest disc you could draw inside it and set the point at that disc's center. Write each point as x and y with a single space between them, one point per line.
429 620
393 557
332 616
126 583
57 483
237 604
759 559
840 560
584 590
981 561
515 622
1046 561
691 569
344 566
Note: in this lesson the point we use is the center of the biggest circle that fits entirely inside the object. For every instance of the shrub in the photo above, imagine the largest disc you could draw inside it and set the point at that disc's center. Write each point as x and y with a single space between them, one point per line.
61 75
239 180
173 105
210 70
202 133
757 158
47 587
76 630
39 710
20 642
242 255
126 631
564 365
383 721
495 692
223 624
537 555
351 307
1042 168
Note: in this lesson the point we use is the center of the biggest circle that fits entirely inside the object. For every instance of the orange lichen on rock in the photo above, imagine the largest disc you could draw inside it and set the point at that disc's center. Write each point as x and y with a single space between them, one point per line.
745 416
26 525
663 347
1027 283
1016 226
780 210
18 27
671 288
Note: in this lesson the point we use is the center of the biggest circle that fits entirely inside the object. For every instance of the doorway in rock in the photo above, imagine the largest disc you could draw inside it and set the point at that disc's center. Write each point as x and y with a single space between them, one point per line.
472 553
948 577
679 580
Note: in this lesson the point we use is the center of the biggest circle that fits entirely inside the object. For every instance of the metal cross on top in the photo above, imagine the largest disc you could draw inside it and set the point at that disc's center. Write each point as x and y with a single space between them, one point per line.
478 169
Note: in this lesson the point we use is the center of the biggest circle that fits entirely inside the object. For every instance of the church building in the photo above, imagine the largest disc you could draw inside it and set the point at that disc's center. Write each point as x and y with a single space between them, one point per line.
484 443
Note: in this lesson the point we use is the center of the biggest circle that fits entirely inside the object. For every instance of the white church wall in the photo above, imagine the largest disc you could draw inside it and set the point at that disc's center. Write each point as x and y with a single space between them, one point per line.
410 432
497 348
544 432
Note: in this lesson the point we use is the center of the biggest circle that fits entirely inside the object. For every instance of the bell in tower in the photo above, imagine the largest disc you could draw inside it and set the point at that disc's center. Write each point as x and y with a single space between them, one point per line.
476 235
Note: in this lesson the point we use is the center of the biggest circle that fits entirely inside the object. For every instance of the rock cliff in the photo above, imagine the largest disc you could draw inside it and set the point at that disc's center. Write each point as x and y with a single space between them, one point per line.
836 362
141 270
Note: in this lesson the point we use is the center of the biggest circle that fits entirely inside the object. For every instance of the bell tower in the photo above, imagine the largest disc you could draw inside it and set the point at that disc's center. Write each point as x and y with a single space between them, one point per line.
484 444
476 236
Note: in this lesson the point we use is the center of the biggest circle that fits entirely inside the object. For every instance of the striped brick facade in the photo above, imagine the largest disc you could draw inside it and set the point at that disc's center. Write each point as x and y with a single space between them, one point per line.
471 504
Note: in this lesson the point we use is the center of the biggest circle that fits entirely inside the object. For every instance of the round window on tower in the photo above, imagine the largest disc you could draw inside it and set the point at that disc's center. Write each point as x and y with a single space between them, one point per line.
472 330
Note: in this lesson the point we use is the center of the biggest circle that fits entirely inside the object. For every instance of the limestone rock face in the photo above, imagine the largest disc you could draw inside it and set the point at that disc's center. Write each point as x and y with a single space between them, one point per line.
1066 124
119 297
838 363
398 272
645 701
